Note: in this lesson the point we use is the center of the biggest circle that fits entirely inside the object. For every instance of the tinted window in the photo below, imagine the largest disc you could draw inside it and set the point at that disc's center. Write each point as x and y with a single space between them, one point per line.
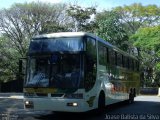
133 65
56 44
126 64
107 55
137 66
123 63
112 57
102 51
130 64
119 59
90 63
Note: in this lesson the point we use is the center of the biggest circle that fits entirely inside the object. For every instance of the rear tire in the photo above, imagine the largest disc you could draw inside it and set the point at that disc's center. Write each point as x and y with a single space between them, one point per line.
131 96
134 92
101 102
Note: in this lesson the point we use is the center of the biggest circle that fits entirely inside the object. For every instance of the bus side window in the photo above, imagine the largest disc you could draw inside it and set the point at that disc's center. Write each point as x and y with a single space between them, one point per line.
116 61
130 64
133 65
126 62
123 62
137 66
119 59
90 63
112 57
102 52
107 52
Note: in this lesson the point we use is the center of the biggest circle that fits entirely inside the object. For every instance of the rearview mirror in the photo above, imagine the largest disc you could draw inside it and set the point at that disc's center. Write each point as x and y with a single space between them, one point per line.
22 66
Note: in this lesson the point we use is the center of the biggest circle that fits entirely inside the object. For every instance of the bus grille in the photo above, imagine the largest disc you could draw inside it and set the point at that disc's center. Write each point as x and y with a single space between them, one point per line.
57 95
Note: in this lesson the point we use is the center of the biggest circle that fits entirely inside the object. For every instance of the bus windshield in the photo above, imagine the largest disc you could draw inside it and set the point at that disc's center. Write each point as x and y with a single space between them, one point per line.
43 45
57 70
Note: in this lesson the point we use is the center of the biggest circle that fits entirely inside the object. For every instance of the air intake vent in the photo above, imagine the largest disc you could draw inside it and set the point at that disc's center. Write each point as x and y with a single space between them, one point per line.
57 95
42 94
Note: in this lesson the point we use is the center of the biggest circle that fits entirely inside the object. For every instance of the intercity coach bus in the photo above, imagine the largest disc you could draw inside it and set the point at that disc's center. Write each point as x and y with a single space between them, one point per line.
77 72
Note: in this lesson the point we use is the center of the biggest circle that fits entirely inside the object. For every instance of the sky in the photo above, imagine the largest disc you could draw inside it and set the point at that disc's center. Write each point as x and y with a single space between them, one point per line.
101 4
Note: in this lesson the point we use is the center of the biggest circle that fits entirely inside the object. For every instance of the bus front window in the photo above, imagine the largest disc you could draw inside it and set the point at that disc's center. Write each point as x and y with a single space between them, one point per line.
38 72
66 72
57 70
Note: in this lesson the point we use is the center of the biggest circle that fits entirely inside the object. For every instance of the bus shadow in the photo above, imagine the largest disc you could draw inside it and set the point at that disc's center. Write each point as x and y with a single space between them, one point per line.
91 115
137 108
147 109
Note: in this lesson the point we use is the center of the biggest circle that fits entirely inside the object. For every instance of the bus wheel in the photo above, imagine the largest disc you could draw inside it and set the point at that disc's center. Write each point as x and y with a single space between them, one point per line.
101 102
134 92
131 97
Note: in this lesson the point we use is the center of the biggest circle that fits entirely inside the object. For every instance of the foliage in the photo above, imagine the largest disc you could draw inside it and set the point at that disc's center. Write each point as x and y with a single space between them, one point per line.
8 58
22 21
133 27
111 29
19 24
139 22
82 17
135 16
149 41
148 38
50 27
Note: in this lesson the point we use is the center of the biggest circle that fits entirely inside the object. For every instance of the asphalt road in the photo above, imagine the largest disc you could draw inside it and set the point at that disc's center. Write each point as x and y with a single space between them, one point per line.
144 108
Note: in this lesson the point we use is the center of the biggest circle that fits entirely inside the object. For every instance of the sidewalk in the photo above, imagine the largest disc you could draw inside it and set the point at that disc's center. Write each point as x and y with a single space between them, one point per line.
12 95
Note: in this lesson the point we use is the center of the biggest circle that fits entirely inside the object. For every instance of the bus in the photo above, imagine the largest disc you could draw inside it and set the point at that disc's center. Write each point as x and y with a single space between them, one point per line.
77 72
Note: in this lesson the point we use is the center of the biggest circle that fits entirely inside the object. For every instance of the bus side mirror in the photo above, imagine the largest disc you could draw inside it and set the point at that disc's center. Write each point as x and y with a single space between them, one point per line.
22 66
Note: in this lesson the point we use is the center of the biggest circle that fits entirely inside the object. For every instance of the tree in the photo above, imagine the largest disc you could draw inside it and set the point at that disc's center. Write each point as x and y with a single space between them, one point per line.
110 29
135 16
82 17
8 58
19 24
22 21
148 40
50 26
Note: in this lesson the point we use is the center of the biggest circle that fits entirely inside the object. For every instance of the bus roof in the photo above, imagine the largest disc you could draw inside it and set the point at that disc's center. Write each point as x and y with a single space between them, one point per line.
71 34
62 34
79 34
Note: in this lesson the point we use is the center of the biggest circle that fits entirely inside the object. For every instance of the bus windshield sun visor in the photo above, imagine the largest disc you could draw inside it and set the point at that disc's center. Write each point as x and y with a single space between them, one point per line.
72 44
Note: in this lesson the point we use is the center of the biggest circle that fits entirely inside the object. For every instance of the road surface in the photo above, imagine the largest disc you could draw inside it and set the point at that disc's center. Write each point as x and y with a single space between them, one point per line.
144 108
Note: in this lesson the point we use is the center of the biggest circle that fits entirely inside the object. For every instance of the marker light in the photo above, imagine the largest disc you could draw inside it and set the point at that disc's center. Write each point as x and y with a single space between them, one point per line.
72 104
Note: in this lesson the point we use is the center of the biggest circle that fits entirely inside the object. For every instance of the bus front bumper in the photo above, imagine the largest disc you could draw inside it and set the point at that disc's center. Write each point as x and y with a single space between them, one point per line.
59 104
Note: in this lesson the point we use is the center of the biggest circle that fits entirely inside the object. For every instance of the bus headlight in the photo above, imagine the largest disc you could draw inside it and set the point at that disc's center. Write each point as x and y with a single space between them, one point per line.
28 104
74 104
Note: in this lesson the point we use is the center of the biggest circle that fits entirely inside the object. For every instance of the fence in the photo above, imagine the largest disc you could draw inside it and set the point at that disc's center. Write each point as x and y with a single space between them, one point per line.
149 91
12 86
